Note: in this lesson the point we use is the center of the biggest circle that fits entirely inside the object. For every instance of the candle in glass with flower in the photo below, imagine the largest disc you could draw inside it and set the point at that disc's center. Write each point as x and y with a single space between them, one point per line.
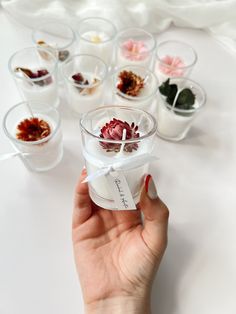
135 47
116 139
174 59
58 38
180 101
96 37
35 133
134 86
34 71
85 77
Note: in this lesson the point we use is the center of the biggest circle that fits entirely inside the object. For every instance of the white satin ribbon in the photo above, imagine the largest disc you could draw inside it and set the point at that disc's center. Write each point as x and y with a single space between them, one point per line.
123 165
12 155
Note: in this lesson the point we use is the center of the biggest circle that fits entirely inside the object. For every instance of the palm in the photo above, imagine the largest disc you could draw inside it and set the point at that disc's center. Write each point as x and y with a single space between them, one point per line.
111 253
115 253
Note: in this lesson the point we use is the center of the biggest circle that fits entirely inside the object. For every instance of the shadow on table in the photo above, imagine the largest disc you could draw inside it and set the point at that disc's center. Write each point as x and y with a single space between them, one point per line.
166 285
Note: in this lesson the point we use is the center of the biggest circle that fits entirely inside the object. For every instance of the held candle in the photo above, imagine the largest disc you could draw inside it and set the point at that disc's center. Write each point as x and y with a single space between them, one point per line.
112 136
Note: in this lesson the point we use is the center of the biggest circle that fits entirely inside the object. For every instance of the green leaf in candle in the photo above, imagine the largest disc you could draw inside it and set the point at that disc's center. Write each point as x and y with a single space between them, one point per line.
185 100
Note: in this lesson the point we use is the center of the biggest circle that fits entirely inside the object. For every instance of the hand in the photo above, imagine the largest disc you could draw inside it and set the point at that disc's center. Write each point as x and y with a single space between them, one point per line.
116 254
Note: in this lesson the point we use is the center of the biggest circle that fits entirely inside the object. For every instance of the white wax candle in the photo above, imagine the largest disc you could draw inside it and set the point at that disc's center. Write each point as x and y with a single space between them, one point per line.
123 61
145 103
172 125
82 102
44 156
46 94
98 44
96 156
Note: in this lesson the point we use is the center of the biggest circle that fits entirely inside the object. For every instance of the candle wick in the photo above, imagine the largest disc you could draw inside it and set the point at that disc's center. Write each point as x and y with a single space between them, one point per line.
175 99
123 144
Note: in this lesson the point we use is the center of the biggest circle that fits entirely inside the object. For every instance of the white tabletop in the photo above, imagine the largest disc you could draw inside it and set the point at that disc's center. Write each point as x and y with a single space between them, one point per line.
195 177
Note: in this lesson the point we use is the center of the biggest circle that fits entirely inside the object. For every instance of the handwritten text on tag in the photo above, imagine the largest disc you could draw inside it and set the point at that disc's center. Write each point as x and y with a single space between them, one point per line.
120 190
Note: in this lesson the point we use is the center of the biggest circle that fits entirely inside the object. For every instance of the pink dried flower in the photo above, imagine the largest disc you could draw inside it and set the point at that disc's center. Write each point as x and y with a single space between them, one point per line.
113 130
172 66
134 50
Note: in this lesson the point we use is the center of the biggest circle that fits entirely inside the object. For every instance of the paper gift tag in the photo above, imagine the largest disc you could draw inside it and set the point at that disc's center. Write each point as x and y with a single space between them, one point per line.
120 191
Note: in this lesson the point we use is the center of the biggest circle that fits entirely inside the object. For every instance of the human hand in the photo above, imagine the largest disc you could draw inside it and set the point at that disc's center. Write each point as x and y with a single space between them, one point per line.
116 254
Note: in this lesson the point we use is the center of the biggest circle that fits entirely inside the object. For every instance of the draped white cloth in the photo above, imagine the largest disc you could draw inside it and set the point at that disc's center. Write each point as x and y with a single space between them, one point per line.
216 16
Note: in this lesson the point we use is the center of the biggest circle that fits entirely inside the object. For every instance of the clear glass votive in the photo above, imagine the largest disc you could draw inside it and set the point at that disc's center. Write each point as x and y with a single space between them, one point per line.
85 77
135 47
174 59
35 132
134 86
57 37
35 73
102 133
97 37
173 123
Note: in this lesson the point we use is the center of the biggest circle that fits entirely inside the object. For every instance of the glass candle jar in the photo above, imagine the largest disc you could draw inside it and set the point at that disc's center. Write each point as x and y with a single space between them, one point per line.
22 123
173 122
35 73
107 145
135 47
85 77
57 37
174 59
97 37
134 86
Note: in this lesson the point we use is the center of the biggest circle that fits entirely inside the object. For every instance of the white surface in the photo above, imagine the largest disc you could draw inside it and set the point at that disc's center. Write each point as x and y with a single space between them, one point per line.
196 178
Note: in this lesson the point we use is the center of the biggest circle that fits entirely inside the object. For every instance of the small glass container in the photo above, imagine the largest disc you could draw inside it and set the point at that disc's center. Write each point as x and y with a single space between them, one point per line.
35 73
99 151
174 59
145 97
85 78
174 123
40 155
135 47
97 37
57 37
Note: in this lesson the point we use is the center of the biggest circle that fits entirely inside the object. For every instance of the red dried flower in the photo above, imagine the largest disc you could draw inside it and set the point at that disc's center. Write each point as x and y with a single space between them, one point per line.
114 131
130 83
37 74
33 129
78 78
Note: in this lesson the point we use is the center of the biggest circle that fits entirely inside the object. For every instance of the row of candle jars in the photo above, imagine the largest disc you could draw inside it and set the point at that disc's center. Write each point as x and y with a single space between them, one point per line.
86 88
111 135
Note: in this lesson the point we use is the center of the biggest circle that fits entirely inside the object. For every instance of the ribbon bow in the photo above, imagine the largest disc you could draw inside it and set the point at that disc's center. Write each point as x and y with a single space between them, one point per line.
122 165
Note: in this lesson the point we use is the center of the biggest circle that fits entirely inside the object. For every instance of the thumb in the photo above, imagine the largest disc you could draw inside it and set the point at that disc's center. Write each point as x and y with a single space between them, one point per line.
156 216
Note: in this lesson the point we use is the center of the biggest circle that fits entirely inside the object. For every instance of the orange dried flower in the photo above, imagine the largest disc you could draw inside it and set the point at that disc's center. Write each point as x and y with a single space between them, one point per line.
33 129
130 83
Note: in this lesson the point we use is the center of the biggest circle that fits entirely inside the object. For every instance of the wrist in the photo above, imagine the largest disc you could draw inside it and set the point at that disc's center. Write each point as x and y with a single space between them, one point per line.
120 305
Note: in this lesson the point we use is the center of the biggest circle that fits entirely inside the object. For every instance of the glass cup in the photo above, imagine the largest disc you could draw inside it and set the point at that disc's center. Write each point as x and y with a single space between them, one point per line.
108 151
174 123
174 59
85 77
57 37
96 37
146 95
135 47
40 155
35 73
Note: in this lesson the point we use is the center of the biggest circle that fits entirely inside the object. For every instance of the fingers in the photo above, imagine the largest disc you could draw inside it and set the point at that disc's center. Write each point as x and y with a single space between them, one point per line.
156 216
82 202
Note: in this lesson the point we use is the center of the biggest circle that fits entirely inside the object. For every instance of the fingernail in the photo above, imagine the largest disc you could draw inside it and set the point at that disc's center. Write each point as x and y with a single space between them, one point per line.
150 187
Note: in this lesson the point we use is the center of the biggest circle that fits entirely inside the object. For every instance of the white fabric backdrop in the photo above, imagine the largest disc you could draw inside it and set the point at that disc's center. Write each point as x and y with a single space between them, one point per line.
217 16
